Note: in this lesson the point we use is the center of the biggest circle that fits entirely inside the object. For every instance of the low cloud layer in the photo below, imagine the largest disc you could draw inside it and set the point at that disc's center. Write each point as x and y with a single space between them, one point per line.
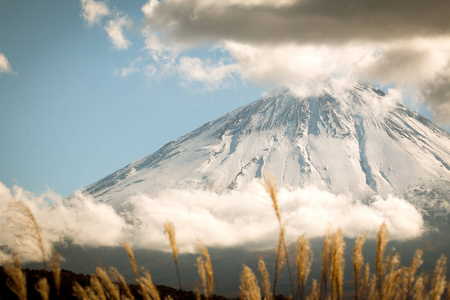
243 218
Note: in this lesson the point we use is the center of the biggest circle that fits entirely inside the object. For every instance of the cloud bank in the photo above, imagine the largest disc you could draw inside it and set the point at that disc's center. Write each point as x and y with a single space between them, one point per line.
299 42
239 218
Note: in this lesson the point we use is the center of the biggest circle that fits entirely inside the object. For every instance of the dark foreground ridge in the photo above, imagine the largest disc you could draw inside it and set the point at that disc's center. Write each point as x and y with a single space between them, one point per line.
68 278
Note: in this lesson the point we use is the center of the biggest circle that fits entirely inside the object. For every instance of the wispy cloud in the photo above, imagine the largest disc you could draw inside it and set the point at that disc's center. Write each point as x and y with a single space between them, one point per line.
130 70
115 28
93 11
238 218
211 76
5 67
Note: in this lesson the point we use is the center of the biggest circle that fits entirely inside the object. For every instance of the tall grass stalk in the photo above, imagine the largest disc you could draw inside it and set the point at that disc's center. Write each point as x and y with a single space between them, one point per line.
149 288
271 189
17 281
42 288
111 289
415 265
135 270
279 258
366 278
119 278
439 282
358 262
382 240
337 265
325 260
249 285
265 279
303 260
25 227
209 268
169 231
56 271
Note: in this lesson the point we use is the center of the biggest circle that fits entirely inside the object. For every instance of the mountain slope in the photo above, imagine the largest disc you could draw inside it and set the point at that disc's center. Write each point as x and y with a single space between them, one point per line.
355 140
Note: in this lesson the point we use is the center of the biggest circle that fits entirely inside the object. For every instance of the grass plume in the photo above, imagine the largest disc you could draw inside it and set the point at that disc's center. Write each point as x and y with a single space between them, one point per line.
265 279
56 271
271 189
17 281
337 265
325 259
27 233
358 262
43 289
382 240
169 231
209 268
303 260
438 284
119 278
249 285
111 289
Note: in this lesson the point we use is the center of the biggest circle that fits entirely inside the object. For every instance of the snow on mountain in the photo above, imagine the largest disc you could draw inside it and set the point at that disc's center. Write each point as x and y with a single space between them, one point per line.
347 141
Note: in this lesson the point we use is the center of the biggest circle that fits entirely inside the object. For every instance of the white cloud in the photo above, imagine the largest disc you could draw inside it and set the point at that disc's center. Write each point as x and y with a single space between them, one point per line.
238 218
212 76
114 28
149 8
93 11
130 70
5 67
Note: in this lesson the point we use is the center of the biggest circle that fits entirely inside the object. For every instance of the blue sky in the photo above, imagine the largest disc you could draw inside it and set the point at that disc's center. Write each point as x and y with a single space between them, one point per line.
66 120
87 86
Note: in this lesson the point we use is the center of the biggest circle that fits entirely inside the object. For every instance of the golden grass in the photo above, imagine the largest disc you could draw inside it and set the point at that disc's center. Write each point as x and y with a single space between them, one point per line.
17 281
249 285
169 231
27 233
265 279
382 240
303 261
337 265
117 277
271 188
43 289
325 260
56 271
358 262
439 282
207 265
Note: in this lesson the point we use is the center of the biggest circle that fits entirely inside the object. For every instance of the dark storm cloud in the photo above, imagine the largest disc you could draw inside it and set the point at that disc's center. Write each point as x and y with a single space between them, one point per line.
436 94
303 21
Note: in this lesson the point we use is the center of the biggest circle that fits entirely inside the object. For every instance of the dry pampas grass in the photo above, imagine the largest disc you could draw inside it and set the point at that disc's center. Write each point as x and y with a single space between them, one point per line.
169 231
358 262
271 188
27 234
265 279
249 285
303 260
17 281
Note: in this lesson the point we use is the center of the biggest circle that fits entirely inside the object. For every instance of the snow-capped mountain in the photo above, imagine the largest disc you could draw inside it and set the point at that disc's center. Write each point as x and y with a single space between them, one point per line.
354 140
